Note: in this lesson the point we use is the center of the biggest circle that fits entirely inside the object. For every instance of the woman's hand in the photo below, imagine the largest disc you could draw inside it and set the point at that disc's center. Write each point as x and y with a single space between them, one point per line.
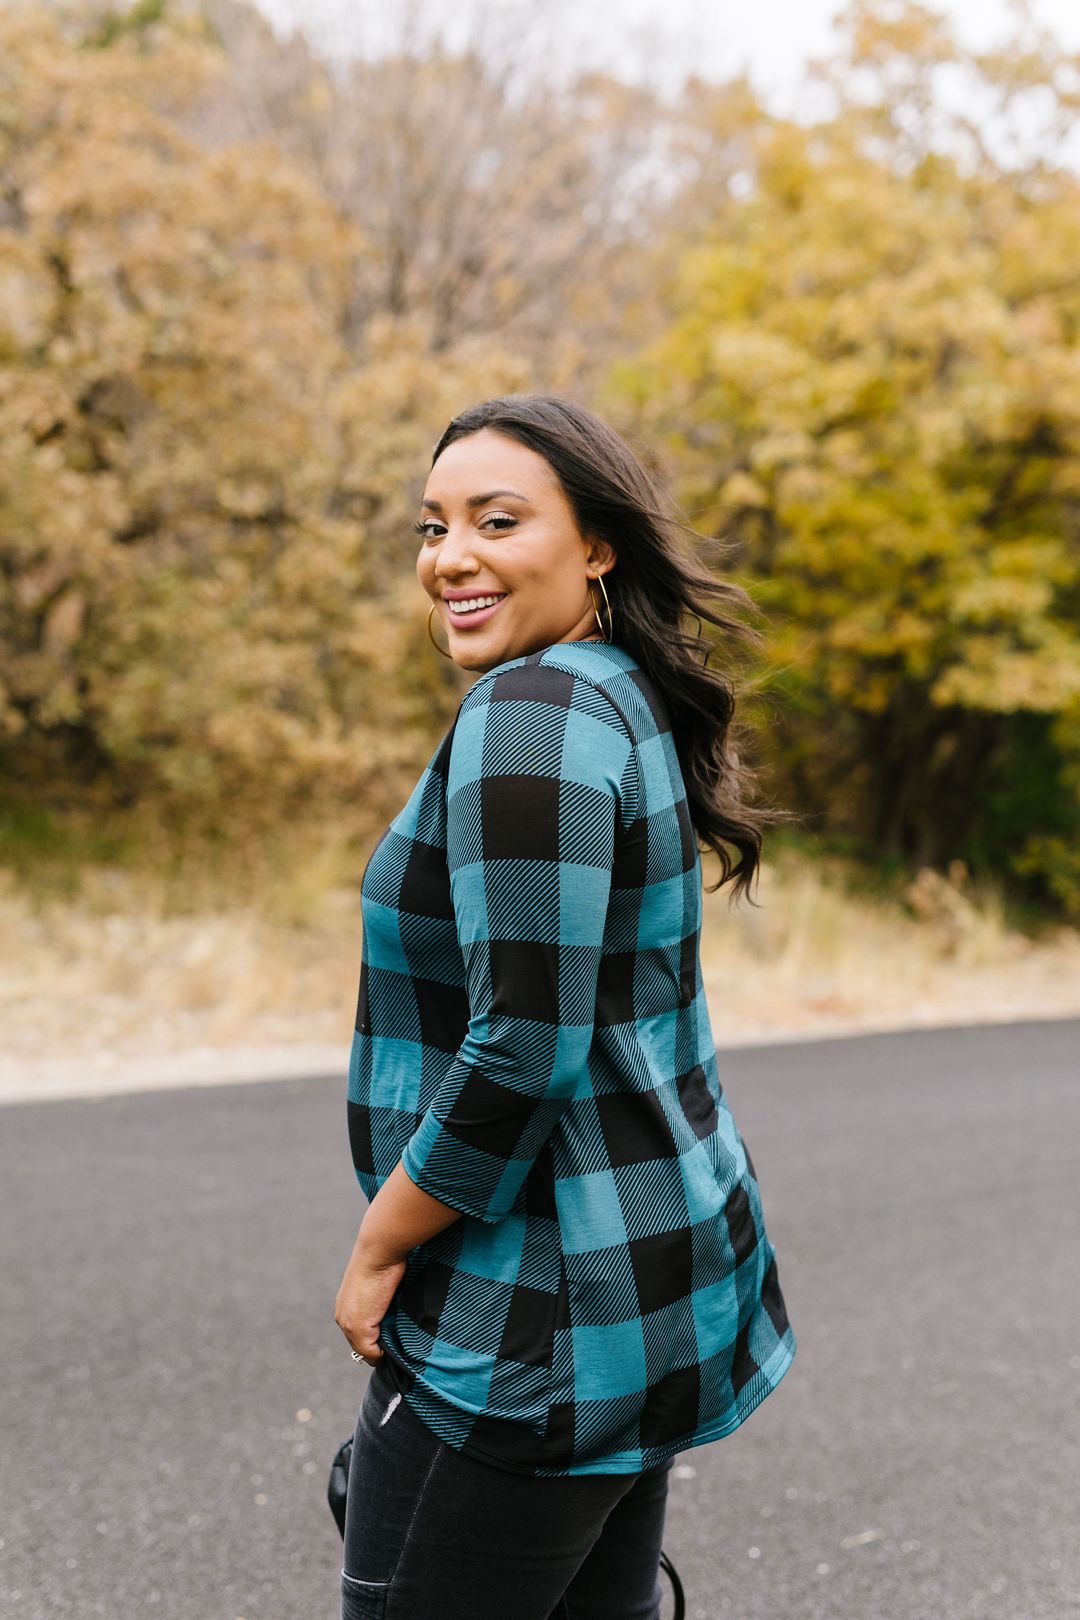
364 1297
400 1216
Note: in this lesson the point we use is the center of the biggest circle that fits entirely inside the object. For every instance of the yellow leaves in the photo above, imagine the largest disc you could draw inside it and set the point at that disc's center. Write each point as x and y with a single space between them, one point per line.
247 498
997 676
36 585
740 490
170 321
1009 600
941 428
870 371
63 623
880 34
773 451
27 297
751 362
1038 324
874 630
857 361
846 451
853 687
1055 860
799 490
1036 557
851 356
60 702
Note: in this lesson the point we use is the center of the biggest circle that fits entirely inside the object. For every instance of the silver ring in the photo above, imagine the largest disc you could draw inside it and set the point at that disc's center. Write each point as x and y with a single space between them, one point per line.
357 1356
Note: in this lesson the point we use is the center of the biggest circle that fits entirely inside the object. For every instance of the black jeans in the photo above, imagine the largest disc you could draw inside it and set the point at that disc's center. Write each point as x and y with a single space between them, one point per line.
431 1534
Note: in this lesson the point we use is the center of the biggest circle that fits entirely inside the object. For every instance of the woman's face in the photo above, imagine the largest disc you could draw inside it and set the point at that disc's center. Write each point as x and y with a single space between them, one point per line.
497 523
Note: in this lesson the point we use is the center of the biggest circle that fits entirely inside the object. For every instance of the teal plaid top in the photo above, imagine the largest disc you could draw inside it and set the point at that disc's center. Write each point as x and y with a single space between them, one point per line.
533 1044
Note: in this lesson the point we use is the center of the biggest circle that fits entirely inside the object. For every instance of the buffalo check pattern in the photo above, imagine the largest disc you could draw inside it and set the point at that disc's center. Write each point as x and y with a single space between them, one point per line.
533 1044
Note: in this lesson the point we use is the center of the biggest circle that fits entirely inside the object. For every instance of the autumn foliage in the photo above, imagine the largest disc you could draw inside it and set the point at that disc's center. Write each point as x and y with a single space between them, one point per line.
231 330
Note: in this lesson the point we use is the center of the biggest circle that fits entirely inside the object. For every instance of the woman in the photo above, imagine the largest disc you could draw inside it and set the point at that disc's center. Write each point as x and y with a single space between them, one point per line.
562 1278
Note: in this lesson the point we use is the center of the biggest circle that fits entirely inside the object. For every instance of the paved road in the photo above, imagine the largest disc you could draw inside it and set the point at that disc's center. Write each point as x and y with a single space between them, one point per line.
175 1384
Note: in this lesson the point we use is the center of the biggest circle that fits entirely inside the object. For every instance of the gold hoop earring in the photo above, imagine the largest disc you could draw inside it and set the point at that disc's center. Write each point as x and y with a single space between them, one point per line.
431 638
608 635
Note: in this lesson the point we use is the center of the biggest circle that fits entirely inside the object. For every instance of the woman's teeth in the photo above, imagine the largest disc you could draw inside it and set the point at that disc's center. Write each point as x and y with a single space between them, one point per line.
472 603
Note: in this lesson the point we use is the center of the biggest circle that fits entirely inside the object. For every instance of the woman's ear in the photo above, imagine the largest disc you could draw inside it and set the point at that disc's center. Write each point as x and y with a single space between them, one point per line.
600 557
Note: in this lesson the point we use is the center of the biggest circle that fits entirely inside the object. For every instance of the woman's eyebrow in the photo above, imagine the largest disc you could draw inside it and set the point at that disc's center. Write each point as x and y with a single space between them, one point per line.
478 500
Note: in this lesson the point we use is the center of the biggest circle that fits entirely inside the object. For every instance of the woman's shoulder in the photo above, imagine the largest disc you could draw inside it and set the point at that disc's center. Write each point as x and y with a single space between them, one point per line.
598 677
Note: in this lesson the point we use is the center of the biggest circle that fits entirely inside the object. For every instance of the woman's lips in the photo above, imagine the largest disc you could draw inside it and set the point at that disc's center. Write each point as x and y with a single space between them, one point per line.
469 621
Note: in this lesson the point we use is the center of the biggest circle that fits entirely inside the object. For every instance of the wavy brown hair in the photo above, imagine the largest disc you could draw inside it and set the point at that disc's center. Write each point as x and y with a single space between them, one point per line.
656 586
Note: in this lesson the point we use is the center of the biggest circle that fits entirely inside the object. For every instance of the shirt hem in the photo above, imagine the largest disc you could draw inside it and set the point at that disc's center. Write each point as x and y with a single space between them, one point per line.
764 1381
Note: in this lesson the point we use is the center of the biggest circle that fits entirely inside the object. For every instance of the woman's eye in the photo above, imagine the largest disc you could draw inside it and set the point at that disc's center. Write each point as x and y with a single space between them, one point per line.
503 520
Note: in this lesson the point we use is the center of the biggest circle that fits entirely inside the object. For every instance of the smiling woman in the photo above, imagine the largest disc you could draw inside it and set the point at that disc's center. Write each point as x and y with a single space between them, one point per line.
515 556
563 1270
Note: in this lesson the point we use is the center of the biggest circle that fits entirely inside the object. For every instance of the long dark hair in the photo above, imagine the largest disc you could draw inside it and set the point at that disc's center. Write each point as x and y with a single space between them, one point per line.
656 584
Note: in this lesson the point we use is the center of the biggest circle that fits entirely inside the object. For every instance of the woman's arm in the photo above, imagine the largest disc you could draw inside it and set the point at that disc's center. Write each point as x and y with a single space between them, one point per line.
534 791
400 1216
535 785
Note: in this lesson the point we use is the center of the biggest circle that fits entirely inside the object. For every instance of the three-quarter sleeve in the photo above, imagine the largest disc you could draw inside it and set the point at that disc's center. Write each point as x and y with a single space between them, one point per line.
534 792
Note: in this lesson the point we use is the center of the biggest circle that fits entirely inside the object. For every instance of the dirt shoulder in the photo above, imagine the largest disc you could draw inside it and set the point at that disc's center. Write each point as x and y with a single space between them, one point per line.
104 994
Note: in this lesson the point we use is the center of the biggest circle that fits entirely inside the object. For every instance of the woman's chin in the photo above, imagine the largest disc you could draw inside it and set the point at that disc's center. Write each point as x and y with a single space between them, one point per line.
482 647
478 651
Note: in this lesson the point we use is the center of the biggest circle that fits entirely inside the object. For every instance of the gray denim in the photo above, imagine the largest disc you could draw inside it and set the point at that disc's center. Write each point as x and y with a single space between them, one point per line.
431 1534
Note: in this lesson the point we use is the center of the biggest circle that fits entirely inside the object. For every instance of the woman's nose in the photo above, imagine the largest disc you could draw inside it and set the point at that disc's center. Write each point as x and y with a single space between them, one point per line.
455 556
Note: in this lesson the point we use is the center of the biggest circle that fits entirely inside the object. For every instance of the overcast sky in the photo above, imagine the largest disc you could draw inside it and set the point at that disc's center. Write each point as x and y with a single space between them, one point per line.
661 42
775 37
772 39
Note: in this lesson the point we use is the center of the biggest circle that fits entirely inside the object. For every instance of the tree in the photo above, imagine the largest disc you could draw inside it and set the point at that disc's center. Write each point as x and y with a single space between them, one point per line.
176 593
869 380
498 198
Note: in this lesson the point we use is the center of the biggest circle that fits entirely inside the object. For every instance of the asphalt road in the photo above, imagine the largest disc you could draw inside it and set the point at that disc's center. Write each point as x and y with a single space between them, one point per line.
174 1384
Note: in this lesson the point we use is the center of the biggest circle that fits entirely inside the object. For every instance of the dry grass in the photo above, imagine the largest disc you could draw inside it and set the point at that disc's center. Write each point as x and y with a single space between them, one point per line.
113 986
820 956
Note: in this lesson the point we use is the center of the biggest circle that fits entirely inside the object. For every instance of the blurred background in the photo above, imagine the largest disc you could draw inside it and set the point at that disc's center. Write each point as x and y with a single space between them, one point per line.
819 266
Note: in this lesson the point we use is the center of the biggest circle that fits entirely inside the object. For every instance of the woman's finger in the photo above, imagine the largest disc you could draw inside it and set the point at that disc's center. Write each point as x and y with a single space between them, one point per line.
365 1341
